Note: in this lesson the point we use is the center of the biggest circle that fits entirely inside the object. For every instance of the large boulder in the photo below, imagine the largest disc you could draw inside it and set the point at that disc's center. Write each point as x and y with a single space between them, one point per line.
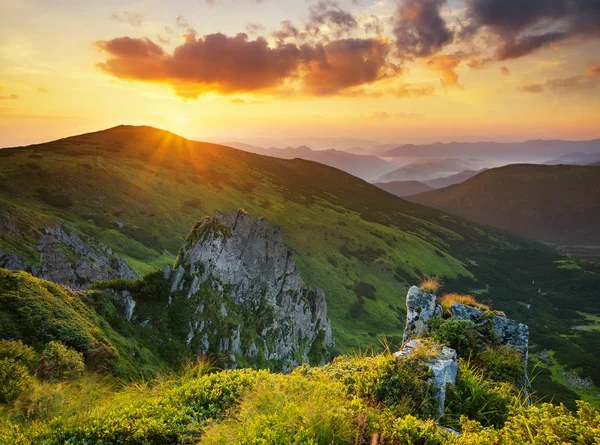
247 303
444 369
420 307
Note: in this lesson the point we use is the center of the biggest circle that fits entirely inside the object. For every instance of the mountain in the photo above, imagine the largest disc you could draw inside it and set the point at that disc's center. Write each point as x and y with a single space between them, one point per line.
453 179
529 151
575 159
403 188
429 169
596 164
133 193
556 204
366 166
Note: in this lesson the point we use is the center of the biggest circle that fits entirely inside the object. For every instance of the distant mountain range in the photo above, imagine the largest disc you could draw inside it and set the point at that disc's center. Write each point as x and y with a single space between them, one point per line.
409 188
429 169
404 188
557 204
575 159
453 179
367 167
528 151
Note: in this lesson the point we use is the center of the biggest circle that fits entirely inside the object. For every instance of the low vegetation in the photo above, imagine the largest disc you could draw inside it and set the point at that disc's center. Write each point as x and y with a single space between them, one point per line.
431 285
448 300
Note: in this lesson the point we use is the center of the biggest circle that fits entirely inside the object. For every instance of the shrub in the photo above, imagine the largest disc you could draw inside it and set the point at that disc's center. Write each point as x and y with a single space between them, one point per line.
459 335
56 200
60 362
15 379
501 364
357 308
151 287
448 301
18 352
486 402
366 290
430 285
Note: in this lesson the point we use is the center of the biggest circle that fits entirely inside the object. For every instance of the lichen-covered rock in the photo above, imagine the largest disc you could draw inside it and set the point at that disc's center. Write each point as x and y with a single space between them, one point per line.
420 307
506 331
246 299
444 369
72 259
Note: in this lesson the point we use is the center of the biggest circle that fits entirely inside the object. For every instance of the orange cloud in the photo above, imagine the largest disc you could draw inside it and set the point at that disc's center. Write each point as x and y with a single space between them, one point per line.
229 65
445 65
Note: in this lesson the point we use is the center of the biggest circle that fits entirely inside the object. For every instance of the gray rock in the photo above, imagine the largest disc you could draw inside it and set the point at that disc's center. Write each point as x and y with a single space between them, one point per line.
236 268
420 307
72 259
508 332
444 368
125 302
166 272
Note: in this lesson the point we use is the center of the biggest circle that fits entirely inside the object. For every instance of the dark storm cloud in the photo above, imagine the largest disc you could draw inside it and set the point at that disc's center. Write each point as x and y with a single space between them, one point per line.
523 27
230 65
419 28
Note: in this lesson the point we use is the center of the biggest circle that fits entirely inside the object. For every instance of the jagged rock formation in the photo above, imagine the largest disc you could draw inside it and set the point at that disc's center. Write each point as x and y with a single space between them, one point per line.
72 259
245 296
444 368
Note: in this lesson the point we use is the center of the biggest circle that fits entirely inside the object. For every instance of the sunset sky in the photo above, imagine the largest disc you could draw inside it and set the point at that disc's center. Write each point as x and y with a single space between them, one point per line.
385 70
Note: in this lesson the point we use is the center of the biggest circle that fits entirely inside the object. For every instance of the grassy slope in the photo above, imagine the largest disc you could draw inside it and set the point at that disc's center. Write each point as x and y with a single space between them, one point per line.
344 230
559 204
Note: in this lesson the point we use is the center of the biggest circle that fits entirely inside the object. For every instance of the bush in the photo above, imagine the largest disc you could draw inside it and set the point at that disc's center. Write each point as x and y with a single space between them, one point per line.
151 287
459 335
501 364
56 200
430 285
18 352
15 379
366 290
486 402
60 362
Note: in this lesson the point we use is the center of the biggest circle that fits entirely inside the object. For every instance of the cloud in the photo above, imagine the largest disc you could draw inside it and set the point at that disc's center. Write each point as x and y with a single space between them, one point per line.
589 81
43 90
385 116
523 27
419 28
329 13
229 65
504 71
534 88
445 65
9 97
135 19
408 90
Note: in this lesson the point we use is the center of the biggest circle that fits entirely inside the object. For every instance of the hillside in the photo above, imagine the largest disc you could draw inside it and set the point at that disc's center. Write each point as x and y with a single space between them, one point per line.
555 204
137 191
452 179
363 165
575 159
404 188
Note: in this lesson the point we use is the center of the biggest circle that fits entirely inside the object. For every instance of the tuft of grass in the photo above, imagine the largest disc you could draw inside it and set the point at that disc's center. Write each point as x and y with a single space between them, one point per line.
449 300
431 284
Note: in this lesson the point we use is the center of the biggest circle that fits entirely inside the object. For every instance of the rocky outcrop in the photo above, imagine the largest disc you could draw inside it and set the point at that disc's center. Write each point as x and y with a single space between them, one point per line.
72 259
420 307
494 328
444 369
246 301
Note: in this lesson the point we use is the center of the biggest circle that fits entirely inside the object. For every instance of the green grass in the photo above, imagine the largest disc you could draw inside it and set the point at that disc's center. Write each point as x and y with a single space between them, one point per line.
344 230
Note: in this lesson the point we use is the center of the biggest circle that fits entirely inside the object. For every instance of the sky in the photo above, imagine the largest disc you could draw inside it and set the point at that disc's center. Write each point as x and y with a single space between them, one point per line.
390 71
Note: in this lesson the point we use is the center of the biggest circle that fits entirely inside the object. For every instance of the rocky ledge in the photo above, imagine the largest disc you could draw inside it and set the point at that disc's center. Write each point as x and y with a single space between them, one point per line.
246 301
